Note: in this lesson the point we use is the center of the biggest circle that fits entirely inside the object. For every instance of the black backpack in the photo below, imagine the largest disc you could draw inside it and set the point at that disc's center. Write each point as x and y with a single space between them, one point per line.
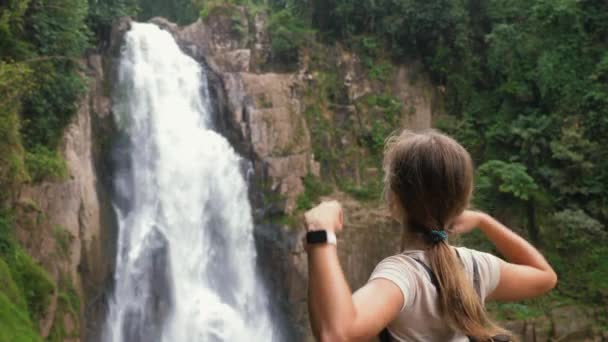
385 335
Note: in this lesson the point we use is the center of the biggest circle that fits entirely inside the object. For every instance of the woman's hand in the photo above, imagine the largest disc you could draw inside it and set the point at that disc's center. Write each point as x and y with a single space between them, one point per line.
467 221
335 314
327 216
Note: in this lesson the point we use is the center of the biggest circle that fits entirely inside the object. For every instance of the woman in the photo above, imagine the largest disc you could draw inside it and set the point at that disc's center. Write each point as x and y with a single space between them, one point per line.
431 291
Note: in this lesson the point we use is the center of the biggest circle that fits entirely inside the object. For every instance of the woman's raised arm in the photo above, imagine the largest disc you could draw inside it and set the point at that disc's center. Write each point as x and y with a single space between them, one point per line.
526 274
335 313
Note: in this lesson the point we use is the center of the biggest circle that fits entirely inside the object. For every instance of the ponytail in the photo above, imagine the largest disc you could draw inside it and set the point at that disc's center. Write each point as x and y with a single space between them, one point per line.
459 304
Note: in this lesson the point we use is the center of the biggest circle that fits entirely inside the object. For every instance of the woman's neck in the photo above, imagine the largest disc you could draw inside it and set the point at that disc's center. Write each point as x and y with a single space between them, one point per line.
413 240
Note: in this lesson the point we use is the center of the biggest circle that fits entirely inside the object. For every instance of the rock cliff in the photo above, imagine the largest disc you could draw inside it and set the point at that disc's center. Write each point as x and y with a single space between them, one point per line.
67 225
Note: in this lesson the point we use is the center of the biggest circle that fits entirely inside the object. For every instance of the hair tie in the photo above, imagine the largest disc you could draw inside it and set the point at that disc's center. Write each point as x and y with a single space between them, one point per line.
437 236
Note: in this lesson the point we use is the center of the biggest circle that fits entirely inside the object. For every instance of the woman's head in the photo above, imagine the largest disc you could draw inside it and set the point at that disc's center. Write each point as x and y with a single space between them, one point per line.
428 178
428 183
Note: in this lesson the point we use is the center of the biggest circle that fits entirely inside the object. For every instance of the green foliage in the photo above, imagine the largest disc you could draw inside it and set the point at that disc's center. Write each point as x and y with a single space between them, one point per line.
330 90
370 46
43 164
15 324
36 285
25 288
52 103
288 29
507 178
6 235
367 192
584 273
385 111
12 19
314 188
45 39
288 33
371 51
103 12
576 231
8 286
348 147
320 131
15 321
514 311
238 21
63 239
179 11
528 309
68 303
70 296
380 71
45 42
226 8
57 28
15 82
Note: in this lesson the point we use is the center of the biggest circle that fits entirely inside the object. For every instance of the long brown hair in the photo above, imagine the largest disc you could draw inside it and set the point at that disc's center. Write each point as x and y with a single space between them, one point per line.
430 177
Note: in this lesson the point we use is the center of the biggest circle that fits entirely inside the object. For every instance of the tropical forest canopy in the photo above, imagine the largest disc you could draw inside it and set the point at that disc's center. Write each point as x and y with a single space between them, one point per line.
525 83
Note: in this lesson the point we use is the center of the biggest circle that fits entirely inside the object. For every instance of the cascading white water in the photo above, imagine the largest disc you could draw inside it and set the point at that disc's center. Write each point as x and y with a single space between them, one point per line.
186 261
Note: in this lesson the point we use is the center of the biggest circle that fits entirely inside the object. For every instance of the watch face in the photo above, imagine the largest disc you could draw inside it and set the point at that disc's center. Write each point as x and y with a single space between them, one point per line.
318 236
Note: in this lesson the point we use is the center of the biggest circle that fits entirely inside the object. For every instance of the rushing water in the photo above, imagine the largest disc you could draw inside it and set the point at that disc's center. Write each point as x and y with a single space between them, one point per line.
186 262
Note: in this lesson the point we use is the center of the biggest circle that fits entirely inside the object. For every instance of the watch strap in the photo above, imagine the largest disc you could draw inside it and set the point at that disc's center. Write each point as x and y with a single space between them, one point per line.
321 236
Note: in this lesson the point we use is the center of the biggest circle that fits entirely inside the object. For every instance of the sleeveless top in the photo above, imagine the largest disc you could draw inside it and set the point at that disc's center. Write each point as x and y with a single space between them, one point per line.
419 319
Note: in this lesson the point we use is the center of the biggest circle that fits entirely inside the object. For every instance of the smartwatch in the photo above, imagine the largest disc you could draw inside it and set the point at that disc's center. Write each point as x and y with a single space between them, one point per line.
321 236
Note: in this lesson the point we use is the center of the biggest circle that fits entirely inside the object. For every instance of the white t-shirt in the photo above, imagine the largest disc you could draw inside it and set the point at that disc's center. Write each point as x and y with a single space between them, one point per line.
419 319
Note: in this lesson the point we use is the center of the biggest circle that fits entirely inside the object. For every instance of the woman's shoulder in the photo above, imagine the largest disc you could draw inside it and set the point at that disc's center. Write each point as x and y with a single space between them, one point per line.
401 270
468 252
403 266
399 260
487 265
477 255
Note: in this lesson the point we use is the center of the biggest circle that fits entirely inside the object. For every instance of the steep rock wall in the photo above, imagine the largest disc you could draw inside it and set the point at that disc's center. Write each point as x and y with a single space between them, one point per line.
66 226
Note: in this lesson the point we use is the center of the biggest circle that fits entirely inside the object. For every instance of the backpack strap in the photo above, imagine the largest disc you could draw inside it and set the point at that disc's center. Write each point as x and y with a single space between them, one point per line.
430 272
476 278
385 335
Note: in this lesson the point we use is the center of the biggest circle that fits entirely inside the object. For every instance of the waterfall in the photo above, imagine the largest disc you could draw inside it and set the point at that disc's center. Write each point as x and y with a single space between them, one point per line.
186 260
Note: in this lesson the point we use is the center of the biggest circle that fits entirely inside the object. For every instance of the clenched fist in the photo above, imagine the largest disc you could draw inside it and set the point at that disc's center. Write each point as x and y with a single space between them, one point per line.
467 221
327 216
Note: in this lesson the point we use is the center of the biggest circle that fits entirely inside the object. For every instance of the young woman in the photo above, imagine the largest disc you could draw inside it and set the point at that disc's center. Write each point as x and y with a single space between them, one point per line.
431 291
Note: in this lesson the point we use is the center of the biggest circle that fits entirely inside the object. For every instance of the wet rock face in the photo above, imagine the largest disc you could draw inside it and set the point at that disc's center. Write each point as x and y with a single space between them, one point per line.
276 130
67 225
263 113
408 84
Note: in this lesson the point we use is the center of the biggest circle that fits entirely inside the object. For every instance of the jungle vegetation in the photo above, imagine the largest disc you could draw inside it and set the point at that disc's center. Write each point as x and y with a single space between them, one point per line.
525 85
